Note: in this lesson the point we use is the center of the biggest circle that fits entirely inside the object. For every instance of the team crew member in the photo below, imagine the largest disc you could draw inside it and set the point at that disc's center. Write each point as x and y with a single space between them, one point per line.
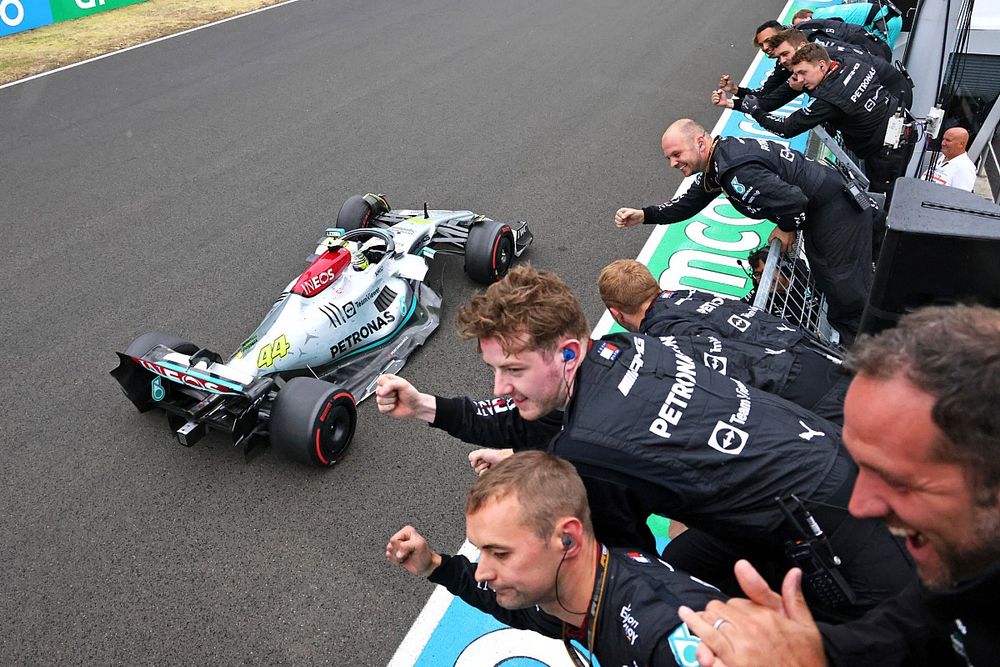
776 78
881 18
847 95
790 296
653 432
785 44
799 372
954 168
922 422
764 179
825 31
540 568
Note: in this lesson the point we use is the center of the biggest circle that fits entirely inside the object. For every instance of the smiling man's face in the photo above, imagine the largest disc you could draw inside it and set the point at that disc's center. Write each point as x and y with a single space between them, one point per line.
904 481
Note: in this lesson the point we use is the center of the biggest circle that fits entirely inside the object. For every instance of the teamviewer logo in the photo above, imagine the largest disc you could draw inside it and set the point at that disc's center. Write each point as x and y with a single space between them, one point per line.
728 439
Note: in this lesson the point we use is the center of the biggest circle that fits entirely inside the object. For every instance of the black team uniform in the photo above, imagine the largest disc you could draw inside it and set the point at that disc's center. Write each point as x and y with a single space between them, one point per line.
764 179
778 95
852 100
920 628
633 618
777 357
830 31
653 432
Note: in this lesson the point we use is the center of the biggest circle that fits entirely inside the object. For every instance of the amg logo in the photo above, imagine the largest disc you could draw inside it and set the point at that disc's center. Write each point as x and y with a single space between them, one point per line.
364 332
632 374
850 75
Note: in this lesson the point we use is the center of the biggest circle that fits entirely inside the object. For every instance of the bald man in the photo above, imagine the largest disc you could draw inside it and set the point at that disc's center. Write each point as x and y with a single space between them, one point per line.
766 180
954 167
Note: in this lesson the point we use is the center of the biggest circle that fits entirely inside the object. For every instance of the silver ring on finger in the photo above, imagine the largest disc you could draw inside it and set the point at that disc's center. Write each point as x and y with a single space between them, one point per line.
719 622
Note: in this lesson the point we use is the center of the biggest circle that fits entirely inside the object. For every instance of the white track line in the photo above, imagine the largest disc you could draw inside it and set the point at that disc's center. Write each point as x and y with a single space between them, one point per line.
137 46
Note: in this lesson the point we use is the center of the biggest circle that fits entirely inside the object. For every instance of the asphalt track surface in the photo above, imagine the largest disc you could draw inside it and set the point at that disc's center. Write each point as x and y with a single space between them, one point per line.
178 187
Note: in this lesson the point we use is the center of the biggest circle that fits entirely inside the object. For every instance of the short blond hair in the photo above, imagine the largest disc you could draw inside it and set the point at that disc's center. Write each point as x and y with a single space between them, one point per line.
547 488
626 285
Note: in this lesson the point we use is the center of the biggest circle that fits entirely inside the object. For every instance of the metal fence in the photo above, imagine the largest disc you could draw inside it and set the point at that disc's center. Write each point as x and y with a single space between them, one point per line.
786 287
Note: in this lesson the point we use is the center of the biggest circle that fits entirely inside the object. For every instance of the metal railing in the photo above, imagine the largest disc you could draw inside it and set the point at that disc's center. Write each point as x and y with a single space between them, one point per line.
989 166
786 289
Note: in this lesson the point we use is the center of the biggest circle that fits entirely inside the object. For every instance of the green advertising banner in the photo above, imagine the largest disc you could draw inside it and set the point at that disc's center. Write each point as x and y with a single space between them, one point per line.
64 10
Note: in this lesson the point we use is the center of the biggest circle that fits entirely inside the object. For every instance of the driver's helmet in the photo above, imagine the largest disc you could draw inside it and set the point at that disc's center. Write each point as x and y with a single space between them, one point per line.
358 259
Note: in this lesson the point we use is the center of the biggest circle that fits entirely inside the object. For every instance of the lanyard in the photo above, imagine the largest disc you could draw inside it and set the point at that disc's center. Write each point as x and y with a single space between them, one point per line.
596 599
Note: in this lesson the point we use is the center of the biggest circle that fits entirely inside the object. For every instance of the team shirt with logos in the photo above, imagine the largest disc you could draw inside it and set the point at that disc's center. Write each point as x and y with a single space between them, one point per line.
851 98
691 444
637 622
781 94
761 179
833 30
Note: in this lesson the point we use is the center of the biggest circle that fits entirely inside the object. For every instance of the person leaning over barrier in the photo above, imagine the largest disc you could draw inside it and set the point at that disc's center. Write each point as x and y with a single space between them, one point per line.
650 431
540 568
783 45
765 179
923 424
825 31
847 96
774 80
797 370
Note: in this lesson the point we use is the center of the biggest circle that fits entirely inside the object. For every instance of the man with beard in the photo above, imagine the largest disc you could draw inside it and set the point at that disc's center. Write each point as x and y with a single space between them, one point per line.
923 425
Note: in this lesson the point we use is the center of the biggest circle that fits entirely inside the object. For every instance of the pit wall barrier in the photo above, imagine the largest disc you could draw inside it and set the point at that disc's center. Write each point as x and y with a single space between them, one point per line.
21 15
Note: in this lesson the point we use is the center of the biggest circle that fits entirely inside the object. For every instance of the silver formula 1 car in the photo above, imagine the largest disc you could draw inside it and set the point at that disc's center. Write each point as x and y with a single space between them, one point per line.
358 310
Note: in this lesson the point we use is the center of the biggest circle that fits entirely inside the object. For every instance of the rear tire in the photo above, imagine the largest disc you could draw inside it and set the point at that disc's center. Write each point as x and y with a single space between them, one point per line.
312 421
489 251
358 211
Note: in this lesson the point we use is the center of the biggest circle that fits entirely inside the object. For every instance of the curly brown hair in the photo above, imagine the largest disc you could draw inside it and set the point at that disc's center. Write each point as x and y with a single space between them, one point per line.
953 353
626 285
547 488
527 310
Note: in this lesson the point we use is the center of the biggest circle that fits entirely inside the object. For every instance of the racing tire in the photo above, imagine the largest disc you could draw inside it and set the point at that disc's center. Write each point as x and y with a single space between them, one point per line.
312 421
357 211
489 251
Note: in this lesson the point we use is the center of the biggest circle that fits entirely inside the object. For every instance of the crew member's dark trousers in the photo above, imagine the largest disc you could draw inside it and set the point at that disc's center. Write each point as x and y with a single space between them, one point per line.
819 384
838 244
